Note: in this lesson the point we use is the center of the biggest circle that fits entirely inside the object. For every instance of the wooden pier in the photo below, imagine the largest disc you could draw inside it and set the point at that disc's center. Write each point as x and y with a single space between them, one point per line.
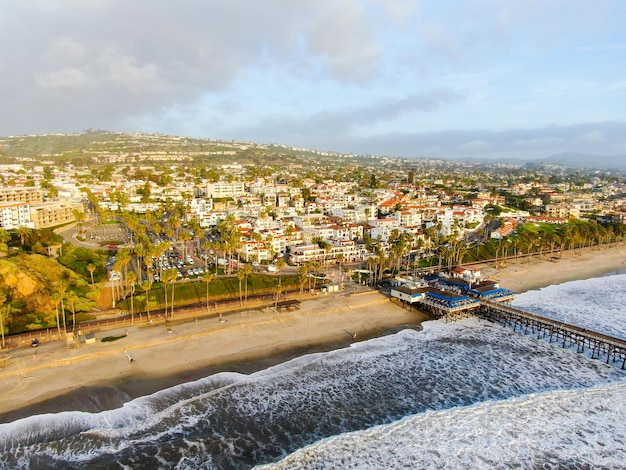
600 345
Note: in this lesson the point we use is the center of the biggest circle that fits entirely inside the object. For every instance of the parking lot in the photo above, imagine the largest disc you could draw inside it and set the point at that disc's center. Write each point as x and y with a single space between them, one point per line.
103 234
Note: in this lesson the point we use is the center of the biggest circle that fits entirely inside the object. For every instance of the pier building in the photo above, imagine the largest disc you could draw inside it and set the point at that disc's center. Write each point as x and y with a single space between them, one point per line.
453 299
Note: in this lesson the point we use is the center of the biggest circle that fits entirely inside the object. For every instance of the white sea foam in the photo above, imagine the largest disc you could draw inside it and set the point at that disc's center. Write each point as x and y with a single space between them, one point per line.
581 428
468 379
558 429
596 304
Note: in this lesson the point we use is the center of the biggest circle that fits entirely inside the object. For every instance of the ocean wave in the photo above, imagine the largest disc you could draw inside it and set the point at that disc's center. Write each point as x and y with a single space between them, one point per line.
556 429
596 304
237 421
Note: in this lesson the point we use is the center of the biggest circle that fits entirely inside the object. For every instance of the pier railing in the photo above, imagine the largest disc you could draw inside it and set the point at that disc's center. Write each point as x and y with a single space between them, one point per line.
599 344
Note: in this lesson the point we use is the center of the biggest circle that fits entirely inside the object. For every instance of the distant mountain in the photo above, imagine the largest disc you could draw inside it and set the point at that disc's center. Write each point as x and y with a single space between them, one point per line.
585 160
567 159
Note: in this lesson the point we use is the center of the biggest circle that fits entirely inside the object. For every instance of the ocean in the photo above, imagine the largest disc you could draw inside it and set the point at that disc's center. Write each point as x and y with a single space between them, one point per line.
468 394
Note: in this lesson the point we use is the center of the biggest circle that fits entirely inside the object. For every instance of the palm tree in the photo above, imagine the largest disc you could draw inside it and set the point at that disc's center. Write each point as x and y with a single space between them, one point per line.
146 286
72 298
185 237
240 276
23 233
302 270
170 276
141 250
91 268
206 246
123 258
5 237
280 264
247 270
3 298
56 300
80 217
340 261
62 286
207 278
131 280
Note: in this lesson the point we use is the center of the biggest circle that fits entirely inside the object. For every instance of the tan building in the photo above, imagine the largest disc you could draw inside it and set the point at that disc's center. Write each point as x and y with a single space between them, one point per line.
21 194
50 214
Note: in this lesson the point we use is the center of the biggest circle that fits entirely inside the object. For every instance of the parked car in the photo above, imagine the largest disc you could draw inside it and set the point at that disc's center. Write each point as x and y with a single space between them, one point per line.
34 343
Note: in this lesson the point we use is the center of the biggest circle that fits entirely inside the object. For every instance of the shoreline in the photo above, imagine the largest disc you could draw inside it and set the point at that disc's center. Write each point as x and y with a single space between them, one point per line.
99 376
521 276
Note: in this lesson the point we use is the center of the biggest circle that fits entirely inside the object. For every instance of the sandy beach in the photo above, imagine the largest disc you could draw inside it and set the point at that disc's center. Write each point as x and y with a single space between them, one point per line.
97 376
521 276
101 375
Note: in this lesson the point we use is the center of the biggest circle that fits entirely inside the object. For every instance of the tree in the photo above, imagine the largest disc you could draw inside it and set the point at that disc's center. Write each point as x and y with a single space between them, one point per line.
302 278
141 250
3 299
207 246
169 276
207 278
146 286
56 301
340 261
62 286
247 270
5 237
240 276
23 233
91 268
72 298
80 217
131 280
280 264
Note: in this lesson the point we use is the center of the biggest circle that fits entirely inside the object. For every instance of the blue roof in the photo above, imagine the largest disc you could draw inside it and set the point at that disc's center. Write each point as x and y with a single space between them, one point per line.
451 298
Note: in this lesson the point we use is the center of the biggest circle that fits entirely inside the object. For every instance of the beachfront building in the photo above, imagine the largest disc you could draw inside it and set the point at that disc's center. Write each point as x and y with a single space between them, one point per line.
313 252
407 294
506 228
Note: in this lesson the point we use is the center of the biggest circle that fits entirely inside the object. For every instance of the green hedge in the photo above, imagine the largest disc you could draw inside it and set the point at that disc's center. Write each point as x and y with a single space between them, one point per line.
187 292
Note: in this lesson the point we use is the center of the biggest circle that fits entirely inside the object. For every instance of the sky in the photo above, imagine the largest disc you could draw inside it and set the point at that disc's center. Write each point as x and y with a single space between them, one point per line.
438 79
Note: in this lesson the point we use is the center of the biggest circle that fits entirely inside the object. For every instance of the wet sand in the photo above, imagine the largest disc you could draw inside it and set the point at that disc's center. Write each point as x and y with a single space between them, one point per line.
521 276
100 375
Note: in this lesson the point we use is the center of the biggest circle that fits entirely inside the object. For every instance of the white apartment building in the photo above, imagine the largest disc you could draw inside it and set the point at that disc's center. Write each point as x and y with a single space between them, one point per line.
199 209
14 215
210 219
347 231
312 252
382 228
408 218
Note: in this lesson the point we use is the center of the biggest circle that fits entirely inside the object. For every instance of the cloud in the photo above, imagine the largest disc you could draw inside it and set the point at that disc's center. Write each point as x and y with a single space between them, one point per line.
368 76
146 55
352 119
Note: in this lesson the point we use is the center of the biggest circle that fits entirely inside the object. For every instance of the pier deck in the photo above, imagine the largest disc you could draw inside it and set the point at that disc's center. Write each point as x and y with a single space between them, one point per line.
599 344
